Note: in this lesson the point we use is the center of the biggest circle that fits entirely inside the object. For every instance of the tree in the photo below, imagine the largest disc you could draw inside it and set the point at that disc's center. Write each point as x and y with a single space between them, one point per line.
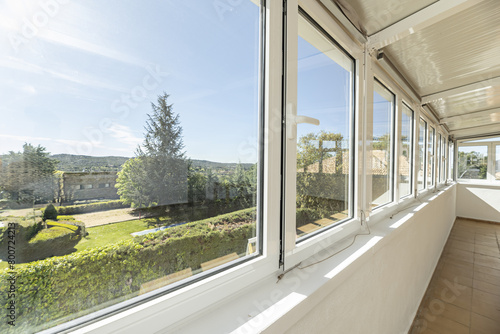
321 174
317 147
472 165
132 183
158 173
28 176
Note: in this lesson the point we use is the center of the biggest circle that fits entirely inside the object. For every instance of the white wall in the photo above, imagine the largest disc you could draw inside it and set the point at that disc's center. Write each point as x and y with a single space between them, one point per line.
383 295
479 201
374 286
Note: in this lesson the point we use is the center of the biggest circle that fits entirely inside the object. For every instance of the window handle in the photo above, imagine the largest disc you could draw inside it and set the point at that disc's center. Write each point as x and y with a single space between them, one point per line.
292 120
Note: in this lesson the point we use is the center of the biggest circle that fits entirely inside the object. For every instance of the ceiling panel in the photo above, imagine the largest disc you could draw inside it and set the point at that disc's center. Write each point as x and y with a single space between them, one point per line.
480 99
376 15
459 50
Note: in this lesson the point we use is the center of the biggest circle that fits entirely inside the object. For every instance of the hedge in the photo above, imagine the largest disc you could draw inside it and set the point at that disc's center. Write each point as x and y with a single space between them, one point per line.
57 289
49 242
91 207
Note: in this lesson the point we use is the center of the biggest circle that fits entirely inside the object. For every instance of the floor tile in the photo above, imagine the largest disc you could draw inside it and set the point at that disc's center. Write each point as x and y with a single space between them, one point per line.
486 304
486 287
483 325
464 293
487 250
444 325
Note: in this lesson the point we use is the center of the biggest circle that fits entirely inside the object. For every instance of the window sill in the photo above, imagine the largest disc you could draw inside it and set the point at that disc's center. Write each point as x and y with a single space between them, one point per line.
273 305
480 182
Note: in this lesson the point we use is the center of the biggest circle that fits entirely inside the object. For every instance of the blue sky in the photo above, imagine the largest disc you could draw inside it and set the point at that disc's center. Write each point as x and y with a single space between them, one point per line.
323 92
79 76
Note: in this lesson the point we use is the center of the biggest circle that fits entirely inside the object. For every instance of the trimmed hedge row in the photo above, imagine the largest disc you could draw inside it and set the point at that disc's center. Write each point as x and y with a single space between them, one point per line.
55 241
52 290
91 207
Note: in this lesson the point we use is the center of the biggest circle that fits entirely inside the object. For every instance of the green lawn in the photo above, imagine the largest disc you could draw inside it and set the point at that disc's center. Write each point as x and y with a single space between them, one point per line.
112 233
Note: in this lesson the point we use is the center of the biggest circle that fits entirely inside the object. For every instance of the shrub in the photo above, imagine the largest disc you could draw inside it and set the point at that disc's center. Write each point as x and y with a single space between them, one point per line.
306 215
55 241
32 230
58 287
50 212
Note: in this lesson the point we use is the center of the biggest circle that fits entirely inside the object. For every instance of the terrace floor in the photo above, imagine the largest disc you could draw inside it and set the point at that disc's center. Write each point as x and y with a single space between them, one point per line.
464 293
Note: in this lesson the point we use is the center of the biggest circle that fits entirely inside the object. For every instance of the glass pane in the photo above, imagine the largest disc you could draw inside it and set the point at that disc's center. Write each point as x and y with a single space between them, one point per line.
473 162
129 150
439 157
451 161
443 159
431 158
421 154
325 88
497 162
383 109
405 158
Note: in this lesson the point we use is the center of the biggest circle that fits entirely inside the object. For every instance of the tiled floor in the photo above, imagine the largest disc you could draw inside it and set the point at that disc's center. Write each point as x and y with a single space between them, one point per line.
464 294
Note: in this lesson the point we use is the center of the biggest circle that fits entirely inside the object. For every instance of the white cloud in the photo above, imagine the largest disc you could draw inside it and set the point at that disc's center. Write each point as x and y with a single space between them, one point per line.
81 79
80 44
124 135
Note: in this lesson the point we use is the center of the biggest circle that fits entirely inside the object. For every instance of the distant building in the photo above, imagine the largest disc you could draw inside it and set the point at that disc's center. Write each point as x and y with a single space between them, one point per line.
88 185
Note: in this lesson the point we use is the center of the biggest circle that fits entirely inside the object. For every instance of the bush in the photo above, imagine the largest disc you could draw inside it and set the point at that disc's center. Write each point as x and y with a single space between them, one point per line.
55 241
50 212
74 284
92 207
305 216
32 230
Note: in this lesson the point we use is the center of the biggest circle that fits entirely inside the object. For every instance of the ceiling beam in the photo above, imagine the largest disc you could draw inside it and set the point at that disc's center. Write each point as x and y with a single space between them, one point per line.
490 129
425 17
470 116
476 86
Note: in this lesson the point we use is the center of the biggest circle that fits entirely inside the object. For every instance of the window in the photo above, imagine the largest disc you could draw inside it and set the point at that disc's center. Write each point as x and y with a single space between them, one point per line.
171 107
439 158
444 156
422 138
382 143
451 160
406 152
325 88
431 157
473 162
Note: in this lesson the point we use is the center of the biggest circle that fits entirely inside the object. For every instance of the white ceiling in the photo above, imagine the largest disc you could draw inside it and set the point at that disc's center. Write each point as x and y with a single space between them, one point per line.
448 51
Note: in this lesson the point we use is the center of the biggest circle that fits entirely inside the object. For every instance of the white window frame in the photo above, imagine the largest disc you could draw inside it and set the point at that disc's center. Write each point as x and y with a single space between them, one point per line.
186 301
294 252
412 154
490 174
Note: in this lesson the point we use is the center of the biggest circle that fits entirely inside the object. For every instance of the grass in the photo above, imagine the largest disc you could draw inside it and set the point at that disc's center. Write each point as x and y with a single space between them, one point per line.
50 233
112 233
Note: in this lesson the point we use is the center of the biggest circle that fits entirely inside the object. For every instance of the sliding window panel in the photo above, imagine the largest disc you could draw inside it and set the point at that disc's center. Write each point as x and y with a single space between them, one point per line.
439 158
444 152
431 135
451 160
154 126
422 138
319 139
382 145
406 152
